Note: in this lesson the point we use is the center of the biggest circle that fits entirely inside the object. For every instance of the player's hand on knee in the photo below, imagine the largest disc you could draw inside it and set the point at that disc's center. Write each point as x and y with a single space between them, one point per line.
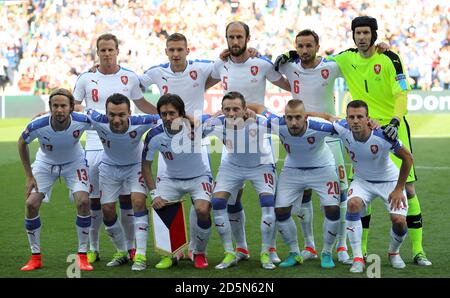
285 57
30 184
397 200
94 68
158 203
391 130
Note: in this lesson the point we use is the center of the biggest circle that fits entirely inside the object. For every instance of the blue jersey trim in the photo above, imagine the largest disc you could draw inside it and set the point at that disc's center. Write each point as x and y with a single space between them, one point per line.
39 123
201 61
343 123
98 117
265 59
165 65
379 133
144 119
80 117
151 134
321 126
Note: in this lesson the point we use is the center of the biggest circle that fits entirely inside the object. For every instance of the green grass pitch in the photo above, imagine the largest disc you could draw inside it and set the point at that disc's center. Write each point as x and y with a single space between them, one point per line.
58 237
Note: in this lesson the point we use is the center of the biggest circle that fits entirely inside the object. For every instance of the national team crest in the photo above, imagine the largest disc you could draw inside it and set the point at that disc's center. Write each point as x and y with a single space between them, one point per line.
124 80
374 149
311 140
254 70
325 73
377 68
76 134
133 134
193 74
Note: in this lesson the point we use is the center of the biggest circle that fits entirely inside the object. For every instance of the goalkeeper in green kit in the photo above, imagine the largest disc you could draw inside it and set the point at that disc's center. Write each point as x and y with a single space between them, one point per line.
381 81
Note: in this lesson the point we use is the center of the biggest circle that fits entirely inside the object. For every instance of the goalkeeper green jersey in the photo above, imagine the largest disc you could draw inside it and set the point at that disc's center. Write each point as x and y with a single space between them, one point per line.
376 80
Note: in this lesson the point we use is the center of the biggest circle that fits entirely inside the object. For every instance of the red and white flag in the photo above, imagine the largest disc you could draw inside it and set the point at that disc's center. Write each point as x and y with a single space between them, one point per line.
169 228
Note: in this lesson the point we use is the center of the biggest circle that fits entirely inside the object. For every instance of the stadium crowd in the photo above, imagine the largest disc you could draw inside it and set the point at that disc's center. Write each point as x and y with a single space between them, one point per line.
47 43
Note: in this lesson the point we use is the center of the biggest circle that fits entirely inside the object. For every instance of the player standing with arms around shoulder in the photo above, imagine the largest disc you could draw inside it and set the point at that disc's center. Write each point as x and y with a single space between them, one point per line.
188 79
60 154
246 75
381 81
94 88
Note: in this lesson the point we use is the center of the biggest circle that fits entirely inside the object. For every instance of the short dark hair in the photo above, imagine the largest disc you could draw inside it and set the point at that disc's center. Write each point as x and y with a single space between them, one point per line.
308 32
117 99
234 95
176 37
246 28
293 103
108 36
358 104
174 100
63 92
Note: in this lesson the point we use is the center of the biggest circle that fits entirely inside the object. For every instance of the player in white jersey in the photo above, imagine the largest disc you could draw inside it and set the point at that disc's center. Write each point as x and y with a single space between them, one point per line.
248 76
120 167
93 88
249 157
188 79
375 175
185 172
60 155
312 78
309 164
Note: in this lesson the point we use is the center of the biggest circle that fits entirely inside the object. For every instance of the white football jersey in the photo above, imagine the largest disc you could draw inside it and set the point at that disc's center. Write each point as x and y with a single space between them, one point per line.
248 78
308 150
182 157
315 87
95 88
247 147
371 160
122 149
189 84
57 147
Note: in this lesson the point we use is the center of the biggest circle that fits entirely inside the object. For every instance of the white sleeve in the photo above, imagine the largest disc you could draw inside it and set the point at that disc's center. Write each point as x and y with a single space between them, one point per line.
79 92
271 74
146 79
215 74
341 127
150 154
337 71
135 92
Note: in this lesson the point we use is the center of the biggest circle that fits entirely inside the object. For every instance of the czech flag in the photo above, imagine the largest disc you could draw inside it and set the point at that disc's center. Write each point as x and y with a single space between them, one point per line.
169 229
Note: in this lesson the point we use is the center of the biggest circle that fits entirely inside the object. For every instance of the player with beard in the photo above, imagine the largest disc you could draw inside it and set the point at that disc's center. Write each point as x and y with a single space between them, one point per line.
246 75
312 78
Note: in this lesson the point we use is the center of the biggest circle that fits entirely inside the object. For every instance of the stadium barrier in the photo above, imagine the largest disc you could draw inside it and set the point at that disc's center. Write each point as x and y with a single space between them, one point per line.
419 102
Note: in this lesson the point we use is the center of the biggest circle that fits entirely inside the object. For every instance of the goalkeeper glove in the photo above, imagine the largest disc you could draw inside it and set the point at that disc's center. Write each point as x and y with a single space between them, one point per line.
391 130
286 57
